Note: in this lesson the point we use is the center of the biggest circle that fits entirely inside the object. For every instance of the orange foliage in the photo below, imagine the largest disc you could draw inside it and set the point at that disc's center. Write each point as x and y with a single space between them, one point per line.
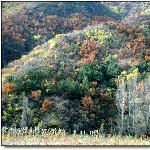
46 104
89 46
91 57
36 94
147 51
124 28
88 58
88 51
147 58
134 61
8 87
83 61
138 41
87 101
50 17
137 44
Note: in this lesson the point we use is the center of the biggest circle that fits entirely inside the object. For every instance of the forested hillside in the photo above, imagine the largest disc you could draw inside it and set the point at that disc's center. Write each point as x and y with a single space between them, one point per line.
77 66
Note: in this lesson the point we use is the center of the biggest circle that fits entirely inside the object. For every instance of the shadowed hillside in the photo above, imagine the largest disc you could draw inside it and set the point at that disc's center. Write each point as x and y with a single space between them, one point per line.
27 25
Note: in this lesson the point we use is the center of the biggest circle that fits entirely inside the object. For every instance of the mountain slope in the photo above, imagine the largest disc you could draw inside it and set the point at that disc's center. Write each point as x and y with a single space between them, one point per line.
27 25
84 75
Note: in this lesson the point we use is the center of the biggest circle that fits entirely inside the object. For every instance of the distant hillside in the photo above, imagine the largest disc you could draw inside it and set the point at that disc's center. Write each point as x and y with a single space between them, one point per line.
28 24
128 42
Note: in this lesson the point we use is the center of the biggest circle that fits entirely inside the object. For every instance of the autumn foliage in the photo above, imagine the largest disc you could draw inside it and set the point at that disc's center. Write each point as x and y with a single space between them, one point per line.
88 51
36 94
73 68
8 87
46 104
87 101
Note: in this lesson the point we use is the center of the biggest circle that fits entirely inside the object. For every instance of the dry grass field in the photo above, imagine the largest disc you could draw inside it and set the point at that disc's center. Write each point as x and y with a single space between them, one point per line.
46 139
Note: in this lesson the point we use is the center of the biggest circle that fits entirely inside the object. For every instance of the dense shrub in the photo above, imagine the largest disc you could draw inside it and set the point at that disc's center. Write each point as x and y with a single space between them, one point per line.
82 86
70 87
113 69
11 113
92 71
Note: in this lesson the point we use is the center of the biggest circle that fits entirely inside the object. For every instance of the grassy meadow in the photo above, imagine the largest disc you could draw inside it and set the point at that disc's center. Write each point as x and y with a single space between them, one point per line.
62 138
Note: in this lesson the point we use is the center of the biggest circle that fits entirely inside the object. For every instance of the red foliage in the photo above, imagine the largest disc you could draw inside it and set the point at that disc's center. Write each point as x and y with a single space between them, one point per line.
126 28
89 46
147 58
22 28
138 43
134 61
88 51
46 104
